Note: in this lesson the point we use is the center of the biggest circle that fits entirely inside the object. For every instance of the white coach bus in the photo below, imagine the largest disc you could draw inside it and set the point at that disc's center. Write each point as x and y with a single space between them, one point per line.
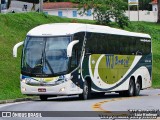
85 60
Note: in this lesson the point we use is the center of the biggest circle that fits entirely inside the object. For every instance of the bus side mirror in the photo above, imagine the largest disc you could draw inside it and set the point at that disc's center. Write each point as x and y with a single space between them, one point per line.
16 47
70 47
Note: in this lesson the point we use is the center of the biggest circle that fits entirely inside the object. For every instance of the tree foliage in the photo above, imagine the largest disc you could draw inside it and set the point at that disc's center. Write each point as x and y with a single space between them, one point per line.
106 11
144 5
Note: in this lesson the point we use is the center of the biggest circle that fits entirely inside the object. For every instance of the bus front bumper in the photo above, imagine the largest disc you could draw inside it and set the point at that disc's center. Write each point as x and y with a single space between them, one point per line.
67 88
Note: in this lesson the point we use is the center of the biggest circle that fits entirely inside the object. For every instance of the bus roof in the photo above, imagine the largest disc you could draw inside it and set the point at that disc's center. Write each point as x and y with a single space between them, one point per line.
62 29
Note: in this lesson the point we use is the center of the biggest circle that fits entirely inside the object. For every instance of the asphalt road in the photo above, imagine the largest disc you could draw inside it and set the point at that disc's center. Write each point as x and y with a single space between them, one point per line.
63 108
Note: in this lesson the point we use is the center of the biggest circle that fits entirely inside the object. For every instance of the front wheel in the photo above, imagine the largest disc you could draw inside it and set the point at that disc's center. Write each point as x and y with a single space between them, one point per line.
86 91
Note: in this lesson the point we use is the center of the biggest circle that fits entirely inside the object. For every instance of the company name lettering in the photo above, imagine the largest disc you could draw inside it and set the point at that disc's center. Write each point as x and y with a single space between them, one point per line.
113 60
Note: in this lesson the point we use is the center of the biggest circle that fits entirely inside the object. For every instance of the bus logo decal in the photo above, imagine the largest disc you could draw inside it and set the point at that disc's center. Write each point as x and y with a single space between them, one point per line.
124 61
110 58
113 60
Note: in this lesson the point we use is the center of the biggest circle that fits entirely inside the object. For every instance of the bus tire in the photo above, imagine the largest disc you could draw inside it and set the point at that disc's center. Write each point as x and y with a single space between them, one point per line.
131 88
137 88
86 91
43 97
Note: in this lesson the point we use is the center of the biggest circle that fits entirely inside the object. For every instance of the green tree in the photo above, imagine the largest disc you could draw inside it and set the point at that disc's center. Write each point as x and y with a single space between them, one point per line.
144 5
105 11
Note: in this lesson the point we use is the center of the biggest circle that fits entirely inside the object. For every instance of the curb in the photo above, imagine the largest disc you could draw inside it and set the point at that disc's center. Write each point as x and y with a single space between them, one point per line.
18 100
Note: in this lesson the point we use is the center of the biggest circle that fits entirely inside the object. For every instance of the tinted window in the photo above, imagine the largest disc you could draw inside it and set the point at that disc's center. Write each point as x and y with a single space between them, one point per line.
99 43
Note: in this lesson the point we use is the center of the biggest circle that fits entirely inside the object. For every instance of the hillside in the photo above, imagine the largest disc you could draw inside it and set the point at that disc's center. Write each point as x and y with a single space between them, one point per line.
13 28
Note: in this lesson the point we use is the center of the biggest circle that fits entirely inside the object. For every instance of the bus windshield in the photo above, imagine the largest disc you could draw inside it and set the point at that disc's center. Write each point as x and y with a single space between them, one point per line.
45 56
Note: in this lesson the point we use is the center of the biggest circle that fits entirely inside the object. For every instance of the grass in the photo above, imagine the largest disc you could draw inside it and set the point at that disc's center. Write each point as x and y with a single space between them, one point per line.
13 29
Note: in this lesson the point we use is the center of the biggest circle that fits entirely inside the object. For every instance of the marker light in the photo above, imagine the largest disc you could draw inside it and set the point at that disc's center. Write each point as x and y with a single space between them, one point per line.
23 81
62 89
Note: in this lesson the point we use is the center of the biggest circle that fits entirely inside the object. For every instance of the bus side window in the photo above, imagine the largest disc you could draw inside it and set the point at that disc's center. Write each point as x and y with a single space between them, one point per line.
147 48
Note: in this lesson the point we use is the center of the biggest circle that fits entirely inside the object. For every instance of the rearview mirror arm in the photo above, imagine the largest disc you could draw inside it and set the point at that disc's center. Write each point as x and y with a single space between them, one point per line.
70 47
16 47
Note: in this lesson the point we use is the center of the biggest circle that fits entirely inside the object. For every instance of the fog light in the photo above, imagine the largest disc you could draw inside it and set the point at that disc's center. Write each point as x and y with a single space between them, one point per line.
62 89
23 89
23 81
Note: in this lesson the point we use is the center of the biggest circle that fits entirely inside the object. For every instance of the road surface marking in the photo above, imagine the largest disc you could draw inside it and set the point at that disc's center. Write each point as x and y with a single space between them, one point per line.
97 106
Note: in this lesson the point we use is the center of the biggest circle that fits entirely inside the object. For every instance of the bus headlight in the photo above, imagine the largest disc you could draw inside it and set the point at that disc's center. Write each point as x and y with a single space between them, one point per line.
23 81
26 80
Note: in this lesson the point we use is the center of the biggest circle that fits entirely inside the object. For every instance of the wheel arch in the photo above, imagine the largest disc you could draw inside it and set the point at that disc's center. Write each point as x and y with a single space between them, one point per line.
132 78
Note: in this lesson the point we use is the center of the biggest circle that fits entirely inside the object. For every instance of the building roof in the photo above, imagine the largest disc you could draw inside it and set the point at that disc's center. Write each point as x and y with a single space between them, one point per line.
56 5
154 2
62 29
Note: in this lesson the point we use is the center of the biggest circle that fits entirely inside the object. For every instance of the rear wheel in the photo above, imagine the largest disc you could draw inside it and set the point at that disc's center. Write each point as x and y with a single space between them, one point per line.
86 91
137 88
131 88
43 97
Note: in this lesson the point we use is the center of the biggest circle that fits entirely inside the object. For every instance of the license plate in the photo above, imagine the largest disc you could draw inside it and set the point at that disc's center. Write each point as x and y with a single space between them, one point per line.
41 89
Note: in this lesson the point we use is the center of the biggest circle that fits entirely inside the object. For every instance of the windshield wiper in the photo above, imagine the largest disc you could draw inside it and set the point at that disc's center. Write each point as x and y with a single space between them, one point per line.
49 66
38 66
45 60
